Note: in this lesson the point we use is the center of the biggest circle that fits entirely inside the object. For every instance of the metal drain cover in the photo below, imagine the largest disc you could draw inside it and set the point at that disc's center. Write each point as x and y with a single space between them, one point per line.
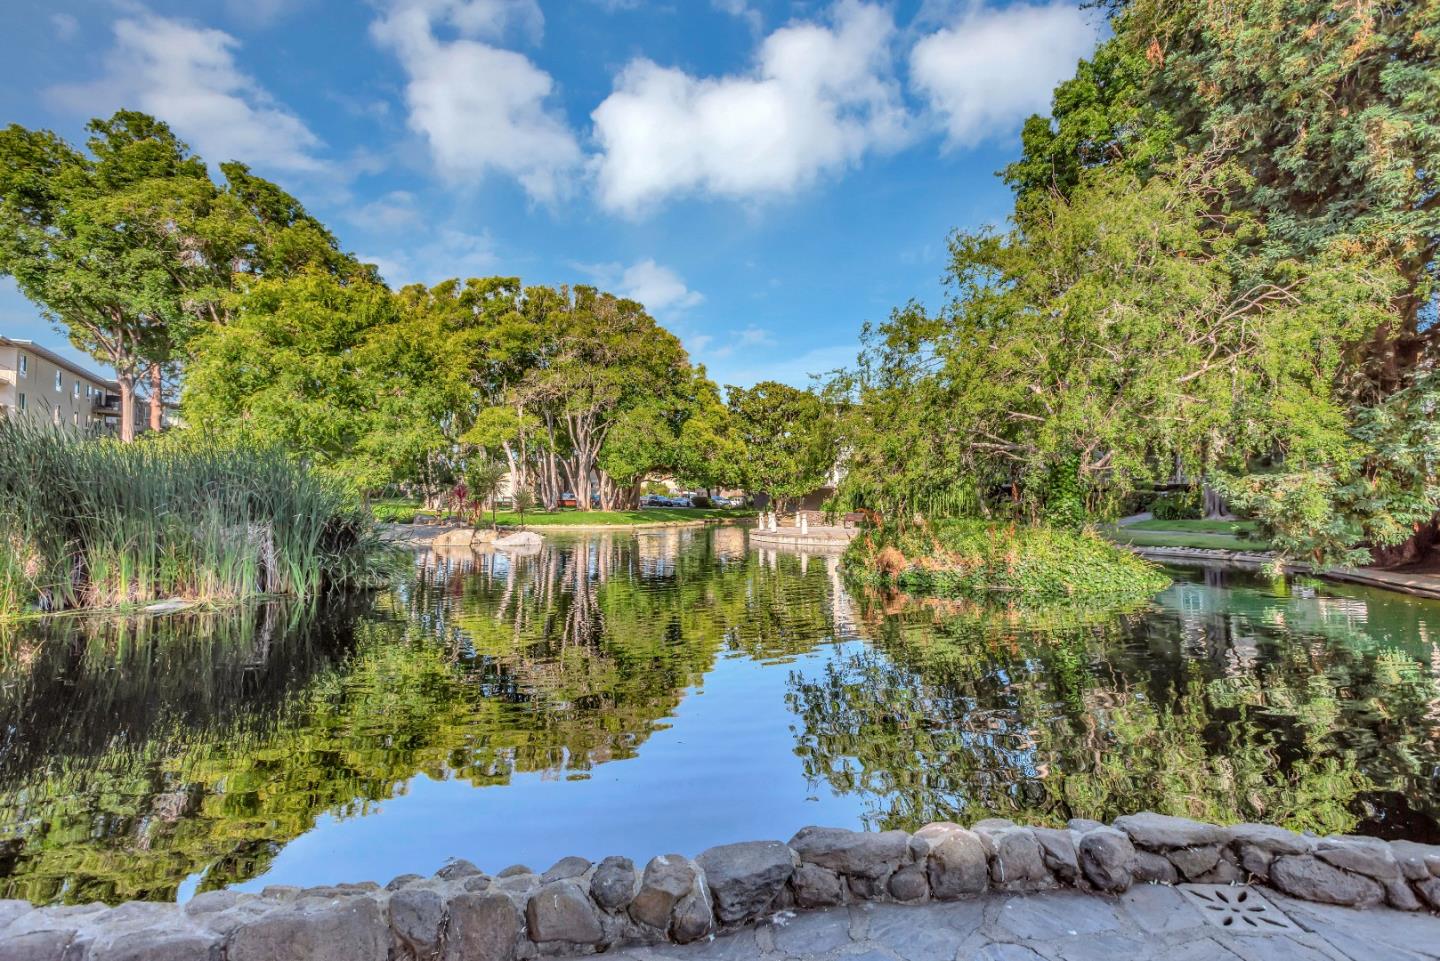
1237 908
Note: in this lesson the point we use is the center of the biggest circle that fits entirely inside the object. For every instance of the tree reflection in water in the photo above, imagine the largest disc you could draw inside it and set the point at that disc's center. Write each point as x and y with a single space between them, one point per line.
137 755
1220 701
140 753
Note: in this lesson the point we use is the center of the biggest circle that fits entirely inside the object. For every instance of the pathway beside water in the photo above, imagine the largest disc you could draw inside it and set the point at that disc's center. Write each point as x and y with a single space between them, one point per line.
1148 923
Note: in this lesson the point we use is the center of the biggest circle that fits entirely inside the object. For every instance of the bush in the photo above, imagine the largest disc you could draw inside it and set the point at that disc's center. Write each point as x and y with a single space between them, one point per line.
700 500
98 523
1178 506
974 558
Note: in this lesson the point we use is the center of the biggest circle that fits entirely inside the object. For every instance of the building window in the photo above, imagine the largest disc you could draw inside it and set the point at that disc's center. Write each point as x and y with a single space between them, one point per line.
20 402
24 365
76 385
59 380
55 416
75 416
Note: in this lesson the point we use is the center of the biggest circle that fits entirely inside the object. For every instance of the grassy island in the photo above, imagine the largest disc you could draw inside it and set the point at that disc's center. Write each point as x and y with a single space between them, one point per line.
92 523
970 558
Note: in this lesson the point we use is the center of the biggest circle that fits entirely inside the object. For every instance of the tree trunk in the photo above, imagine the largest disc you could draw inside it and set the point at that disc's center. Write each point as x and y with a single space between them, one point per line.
126 381
1214 504
1417 548
157 398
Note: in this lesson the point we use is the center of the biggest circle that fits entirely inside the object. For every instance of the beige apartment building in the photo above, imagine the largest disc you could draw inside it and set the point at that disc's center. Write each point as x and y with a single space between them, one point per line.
36 382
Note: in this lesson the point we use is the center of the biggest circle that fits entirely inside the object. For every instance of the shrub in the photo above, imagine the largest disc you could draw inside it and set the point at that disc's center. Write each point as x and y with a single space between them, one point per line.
98 523
973 558
702 501
1178 506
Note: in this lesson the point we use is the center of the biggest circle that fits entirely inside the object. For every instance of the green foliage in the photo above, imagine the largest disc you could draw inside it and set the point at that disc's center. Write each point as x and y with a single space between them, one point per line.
132 247
1100 117
483 482
1316 224
1064 496
395 511
1373 494
1187 505
788 436
524 500
975 559
1104 337
330 369
1332 110
97 523
1329 108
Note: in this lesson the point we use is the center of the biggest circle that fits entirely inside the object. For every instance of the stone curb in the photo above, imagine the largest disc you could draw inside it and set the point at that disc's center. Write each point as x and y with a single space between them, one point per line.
578 907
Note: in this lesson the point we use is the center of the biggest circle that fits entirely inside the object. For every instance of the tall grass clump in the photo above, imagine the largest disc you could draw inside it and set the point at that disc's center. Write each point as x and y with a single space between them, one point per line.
94 523
973 558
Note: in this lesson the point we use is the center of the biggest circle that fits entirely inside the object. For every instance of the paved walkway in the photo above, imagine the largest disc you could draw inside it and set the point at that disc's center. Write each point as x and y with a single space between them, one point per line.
1149 923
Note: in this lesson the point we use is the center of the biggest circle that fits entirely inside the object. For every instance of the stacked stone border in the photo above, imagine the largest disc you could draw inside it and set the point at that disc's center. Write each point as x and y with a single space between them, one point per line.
578 907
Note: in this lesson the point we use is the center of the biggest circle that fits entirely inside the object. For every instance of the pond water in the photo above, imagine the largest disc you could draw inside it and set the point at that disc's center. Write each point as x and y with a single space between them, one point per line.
643 693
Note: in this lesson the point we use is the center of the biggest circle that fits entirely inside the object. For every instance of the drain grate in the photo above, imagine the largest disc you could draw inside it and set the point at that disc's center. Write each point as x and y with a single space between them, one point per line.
1237 908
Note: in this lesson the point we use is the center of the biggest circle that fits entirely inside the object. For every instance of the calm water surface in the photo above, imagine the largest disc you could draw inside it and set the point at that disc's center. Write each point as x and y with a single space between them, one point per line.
636 694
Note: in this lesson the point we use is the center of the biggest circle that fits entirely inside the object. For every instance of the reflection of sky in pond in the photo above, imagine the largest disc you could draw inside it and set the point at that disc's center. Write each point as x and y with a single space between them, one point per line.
664 691
723 769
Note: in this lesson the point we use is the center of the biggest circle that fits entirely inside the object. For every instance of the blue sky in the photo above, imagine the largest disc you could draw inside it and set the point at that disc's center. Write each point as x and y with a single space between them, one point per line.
765 175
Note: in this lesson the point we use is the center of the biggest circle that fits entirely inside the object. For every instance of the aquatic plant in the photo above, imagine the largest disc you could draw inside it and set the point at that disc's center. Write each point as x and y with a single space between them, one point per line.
93 523
974 558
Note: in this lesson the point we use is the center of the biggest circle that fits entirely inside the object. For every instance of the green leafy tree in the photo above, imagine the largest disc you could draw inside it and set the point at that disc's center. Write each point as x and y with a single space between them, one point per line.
300 363
485 479
1329 108
1373 493
1103 338
90 238
132 250
710 450
789 438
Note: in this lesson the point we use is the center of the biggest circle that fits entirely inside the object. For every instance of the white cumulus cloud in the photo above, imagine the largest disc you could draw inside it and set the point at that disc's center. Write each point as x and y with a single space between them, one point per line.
449 253
658 287
187 76
482 108
820 96
992 68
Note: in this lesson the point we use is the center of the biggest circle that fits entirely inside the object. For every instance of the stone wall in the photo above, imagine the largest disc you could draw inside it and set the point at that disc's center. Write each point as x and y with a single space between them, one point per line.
577 907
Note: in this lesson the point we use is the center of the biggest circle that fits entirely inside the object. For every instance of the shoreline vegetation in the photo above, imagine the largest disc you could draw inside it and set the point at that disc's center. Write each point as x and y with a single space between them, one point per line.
95 524
979 559
405 512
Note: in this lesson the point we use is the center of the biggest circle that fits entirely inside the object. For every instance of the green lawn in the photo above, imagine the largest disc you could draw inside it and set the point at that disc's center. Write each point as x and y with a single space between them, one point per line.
403 512
1206 535
650 515
1238 528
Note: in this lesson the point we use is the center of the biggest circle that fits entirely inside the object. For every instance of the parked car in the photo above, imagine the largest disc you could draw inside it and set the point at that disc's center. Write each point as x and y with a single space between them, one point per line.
567 499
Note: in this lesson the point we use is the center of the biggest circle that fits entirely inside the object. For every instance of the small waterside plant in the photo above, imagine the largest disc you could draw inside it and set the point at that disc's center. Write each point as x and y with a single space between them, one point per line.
93 523
972 558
